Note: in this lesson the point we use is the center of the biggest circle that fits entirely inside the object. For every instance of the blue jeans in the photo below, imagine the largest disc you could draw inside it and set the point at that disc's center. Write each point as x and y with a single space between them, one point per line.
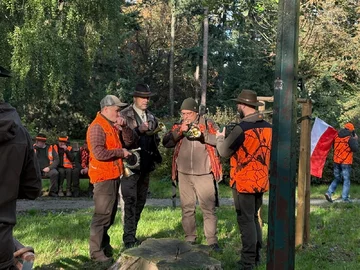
341 170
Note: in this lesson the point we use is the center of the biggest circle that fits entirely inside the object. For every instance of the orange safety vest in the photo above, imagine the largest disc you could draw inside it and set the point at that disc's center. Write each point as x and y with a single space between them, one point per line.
66 162
104 170
50 154
249 165
342 151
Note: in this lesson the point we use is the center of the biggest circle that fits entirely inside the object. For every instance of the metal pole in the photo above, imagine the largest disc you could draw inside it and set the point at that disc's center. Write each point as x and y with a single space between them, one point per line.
281 232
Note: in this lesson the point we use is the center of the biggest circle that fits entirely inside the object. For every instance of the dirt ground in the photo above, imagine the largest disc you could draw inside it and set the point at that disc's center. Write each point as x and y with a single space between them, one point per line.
64 203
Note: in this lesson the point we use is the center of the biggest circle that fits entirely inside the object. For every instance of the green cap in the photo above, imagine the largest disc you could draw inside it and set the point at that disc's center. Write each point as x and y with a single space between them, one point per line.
189 104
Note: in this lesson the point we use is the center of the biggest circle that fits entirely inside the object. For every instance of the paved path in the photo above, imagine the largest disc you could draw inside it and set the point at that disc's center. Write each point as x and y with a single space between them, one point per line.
49 203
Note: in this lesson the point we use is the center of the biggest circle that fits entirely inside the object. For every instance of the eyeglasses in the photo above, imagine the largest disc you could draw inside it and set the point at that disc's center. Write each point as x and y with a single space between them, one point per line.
187 113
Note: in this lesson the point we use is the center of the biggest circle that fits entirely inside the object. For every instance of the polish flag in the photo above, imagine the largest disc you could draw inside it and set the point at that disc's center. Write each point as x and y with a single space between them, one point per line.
322 137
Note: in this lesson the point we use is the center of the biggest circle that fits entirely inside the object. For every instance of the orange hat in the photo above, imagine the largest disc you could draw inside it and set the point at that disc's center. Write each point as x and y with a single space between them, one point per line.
41 137
63 139
349 126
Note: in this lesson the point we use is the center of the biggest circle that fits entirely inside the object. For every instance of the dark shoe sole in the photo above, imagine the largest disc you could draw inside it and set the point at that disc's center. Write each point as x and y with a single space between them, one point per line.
328 198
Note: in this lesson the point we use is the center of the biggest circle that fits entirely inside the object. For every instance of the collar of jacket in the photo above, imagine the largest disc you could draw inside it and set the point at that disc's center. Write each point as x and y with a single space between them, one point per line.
254 117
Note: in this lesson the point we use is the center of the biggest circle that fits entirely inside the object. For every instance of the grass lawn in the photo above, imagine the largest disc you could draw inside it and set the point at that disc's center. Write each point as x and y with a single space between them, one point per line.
60 238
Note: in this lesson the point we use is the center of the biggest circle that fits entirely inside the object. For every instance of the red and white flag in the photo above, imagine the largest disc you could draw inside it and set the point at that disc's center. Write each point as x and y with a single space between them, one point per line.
322 137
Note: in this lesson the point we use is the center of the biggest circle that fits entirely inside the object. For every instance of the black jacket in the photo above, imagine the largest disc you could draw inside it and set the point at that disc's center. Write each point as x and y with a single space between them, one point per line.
19 170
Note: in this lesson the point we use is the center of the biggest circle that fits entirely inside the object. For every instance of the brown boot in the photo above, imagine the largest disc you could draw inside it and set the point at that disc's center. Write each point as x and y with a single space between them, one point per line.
61 193
68 193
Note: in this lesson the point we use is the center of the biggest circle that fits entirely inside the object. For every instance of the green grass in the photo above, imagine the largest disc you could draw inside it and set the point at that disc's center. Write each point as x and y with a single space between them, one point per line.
61 238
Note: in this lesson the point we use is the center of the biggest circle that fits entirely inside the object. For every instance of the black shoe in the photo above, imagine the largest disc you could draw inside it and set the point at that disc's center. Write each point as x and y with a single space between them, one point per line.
191 242
243 266
53 194
328 197
108 251
215 247
130 245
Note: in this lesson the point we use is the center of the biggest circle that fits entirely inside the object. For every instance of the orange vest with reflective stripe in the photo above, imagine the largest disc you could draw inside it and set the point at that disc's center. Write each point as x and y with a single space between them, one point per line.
249 165
342 151
50 154
104 170
66 162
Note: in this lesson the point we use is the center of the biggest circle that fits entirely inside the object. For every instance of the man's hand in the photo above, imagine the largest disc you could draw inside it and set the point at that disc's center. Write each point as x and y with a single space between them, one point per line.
144 127
220 133
84 171
120 121
46 170
64 147
184 127
126 153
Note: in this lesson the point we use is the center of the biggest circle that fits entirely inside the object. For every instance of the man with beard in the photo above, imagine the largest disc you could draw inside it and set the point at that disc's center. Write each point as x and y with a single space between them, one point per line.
248 145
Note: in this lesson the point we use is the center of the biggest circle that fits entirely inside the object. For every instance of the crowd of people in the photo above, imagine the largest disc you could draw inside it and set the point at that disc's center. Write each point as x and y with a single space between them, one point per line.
60 162
122 134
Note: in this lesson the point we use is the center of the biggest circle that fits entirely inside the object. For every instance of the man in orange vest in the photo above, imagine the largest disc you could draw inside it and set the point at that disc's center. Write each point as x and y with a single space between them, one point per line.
345 144
105 170
48 160
65 167
248 145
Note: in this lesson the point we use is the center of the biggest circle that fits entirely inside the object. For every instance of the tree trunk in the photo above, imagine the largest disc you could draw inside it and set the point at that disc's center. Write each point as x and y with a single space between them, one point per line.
205 58
171 73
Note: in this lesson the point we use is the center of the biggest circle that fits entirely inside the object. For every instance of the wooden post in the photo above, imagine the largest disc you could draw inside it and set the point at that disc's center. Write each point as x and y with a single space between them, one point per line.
303 205
307 129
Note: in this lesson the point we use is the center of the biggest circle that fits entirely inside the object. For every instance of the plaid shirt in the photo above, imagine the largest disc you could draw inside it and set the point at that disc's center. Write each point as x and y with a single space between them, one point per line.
84 157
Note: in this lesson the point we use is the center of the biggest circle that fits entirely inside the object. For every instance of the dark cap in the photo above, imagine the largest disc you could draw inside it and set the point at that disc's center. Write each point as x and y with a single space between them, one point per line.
142 90
189 104
248 97
41 137
4 72
111 100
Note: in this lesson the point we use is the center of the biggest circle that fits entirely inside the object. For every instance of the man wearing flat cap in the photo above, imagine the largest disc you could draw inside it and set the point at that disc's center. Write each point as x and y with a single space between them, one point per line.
106 153
345 144
134 188
20 175
248 145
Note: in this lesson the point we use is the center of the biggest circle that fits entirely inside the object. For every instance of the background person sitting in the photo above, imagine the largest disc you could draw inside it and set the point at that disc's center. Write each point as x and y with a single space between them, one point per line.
84 152
75 175
48 160
65 167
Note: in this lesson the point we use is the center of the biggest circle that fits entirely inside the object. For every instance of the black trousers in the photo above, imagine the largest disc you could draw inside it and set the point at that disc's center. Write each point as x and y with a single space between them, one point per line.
7 247
134 192
65 173
105 200
247 206
75 180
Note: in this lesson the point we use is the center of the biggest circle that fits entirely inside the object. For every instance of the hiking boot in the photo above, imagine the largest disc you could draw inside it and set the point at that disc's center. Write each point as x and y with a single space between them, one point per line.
61 193
328 197
215 247
347 200
102 259
108 251
68 193
191 243
130 245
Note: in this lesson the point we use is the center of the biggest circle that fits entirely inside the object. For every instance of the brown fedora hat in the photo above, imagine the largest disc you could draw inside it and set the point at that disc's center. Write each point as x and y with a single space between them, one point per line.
248 97
142 90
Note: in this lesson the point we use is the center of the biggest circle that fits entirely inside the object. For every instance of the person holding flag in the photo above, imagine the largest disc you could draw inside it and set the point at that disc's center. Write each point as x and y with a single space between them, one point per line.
345 144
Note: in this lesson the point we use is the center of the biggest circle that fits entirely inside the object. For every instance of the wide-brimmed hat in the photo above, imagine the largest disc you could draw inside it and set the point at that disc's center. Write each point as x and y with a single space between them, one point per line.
142 90
248 97
111 100
4 72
